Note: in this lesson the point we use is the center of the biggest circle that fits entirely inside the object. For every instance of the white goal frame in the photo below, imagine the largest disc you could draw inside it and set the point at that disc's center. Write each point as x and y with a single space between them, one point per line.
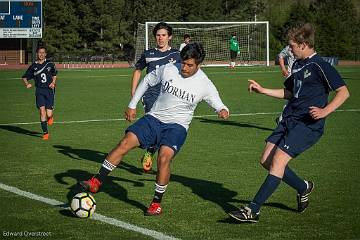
245 58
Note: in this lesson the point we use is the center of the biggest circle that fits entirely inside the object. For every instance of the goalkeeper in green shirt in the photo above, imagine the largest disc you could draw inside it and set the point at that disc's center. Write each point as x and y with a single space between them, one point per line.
234 50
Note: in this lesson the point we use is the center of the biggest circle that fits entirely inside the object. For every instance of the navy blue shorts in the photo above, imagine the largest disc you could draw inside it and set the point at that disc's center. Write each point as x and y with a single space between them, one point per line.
294 137
153 133
45 97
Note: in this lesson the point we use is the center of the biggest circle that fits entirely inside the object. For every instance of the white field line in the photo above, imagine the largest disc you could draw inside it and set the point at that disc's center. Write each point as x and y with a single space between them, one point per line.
129 75
208 73
96 216
123 119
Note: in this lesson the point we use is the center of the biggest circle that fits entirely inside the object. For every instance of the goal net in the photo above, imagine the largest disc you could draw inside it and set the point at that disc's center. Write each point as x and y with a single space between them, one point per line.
253 38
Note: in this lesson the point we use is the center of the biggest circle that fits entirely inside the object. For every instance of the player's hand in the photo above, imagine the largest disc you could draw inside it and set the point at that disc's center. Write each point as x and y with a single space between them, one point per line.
224 114
130 114
254 86
28 85
285 73
317 113
52 85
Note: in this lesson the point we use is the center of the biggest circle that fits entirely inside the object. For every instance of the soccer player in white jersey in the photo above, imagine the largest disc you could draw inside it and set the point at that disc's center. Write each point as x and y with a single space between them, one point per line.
152 59
165 126
286 58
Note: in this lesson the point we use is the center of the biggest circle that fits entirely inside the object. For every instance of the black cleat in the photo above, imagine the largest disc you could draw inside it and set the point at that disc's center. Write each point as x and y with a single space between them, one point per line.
303 199
244 214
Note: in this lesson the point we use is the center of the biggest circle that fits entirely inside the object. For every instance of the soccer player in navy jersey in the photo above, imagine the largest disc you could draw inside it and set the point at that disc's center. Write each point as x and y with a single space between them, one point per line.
44 73
165 126
152 59
307 90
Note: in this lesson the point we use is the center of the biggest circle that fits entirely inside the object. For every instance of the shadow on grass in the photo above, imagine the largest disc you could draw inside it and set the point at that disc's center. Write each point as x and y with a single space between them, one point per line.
79 153
21 131
110 186
233 123
207 190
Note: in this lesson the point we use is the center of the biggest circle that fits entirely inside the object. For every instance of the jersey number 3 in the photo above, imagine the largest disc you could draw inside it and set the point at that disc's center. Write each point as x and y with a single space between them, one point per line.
43 77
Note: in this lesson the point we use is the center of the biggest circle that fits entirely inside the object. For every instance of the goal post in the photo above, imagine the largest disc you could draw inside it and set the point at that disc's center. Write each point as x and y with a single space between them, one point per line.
253 38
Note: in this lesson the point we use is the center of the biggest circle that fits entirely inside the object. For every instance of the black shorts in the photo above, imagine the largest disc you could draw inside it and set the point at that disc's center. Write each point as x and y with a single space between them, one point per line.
294 137
45 97
233 54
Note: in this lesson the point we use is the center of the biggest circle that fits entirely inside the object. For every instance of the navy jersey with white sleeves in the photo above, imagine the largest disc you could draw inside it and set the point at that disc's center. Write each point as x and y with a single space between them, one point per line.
310 83
41 73
179 96
154 58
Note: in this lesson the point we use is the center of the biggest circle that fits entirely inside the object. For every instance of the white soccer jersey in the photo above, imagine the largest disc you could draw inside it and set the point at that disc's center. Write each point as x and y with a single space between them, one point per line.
178 96
286 53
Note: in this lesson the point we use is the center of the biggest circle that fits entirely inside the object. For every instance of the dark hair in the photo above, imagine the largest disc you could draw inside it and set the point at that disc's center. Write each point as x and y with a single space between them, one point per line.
303 33
41 47
162 25
193 50
186 36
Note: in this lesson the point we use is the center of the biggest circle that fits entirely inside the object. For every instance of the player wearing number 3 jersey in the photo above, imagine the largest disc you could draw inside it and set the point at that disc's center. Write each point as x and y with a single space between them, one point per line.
44 74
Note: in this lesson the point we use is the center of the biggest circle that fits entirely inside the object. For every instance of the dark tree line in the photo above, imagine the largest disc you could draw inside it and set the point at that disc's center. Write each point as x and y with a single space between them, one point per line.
98 27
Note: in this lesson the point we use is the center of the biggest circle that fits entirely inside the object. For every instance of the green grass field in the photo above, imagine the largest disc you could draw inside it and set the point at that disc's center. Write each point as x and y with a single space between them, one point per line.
216 171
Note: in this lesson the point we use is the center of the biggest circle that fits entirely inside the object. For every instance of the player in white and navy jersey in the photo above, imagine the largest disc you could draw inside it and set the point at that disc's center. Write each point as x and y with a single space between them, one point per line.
152 59
165 126
307 90
44 73
286 61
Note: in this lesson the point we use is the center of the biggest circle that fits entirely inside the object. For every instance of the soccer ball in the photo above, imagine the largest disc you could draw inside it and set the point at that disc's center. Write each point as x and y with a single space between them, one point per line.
83 205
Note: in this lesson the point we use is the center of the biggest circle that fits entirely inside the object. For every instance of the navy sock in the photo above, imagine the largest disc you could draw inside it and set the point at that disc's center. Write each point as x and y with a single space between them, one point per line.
44 126
267 188
105 169
159 192
291 179
102 174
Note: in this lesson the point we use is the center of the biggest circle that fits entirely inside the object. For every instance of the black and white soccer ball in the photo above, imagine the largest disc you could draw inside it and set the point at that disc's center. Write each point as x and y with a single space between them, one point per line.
83 205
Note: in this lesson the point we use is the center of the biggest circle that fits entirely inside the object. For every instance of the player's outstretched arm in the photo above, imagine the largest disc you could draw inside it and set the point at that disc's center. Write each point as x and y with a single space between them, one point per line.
342 93
276 93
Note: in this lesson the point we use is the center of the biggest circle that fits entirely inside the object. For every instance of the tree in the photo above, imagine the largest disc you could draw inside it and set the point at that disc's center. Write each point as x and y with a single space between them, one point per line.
60 27
336 33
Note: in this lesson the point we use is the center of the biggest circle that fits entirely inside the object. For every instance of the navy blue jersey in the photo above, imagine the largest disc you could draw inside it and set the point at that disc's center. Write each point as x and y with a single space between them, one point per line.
41 73
310 83
152 59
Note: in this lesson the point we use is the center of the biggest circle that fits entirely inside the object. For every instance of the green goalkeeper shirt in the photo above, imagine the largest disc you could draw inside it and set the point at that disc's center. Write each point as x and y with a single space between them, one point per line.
234 45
